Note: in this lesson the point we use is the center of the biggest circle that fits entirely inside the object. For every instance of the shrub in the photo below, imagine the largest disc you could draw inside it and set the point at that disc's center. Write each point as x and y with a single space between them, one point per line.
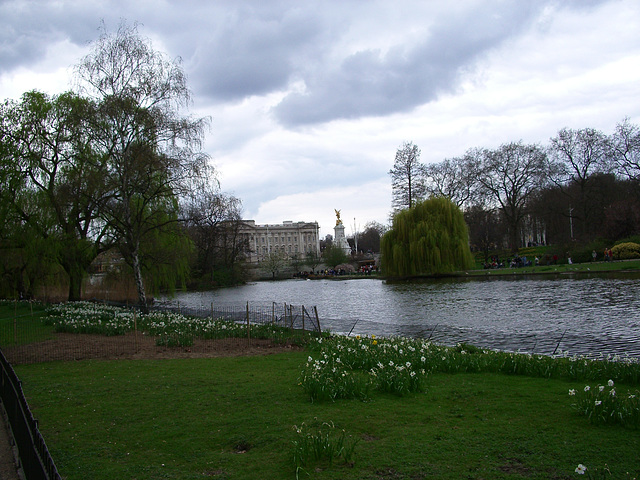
626 251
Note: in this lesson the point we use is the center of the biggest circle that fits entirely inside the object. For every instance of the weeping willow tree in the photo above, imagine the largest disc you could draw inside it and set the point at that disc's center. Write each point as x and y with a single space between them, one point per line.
430 238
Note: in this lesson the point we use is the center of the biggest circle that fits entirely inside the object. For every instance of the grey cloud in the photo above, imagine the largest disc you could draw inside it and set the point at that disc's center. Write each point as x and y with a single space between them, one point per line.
253 54
370 83
30 28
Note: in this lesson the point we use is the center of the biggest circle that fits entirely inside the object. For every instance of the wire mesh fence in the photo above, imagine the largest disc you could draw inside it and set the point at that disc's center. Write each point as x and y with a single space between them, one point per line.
206 331
244 328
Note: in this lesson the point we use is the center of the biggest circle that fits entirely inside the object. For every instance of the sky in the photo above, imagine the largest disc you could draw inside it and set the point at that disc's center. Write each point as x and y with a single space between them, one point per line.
309 101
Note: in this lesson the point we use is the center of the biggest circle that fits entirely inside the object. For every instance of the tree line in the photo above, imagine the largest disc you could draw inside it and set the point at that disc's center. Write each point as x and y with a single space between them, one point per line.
582 186
114 165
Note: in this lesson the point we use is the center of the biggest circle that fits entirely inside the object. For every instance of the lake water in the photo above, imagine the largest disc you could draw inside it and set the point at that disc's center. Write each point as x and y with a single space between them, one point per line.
589 315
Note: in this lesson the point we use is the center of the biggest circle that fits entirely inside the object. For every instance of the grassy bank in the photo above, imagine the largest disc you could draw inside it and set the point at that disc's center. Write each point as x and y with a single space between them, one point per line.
235 418
562 268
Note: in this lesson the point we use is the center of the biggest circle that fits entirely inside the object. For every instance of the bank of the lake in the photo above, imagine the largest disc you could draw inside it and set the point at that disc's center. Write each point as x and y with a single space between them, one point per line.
557 269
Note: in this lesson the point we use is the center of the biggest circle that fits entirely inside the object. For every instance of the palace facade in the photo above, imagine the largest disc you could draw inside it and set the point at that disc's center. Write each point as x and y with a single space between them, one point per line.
289 238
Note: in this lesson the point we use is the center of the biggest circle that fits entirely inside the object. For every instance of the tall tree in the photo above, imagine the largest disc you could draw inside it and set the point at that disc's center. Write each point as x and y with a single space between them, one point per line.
57 177
485 232
510 176
430 239
153 149
455 178
369 239
213 221
574 157
407 177
625 147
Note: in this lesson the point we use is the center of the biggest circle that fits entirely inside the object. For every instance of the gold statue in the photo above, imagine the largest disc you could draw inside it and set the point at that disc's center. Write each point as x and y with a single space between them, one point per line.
338 221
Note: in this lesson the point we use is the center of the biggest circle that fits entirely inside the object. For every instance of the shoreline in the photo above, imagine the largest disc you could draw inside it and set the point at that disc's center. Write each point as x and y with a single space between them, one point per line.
616 266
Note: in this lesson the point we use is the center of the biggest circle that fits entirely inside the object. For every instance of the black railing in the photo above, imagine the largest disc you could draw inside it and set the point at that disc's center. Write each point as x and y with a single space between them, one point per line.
34 456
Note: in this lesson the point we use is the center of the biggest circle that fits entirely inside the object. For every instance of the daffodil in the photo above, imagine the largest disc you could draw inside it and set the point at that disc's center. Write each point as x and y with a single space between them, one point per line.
581 469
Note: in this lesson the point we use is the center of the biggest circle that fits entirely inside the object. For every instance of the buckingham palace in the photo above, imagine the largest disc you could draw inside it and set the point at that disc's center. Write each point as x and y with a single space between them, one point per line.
289 238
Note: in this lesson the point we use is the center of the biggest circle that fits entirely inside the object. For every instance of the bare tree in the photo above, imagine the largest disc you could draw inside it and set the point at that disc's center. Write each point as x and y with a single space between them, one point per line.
510 176
485 229
625 148
455 178
153 150
212 219
574 156
407 177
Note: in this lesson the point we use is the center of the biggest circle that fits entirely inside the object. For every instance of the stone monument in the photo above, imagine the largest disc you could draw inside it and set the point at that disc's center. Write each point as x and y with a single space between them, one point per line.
339 239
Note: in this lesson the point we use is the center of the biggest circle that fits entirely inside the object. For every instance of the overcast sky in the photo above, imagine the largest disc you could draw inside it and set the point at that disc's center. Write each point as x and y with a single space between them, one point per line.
310 100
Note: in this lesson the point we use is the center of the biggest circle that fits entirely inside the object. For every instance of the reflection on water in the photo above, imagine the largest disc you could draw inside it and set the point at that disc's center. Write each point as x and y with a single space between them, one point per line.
584 315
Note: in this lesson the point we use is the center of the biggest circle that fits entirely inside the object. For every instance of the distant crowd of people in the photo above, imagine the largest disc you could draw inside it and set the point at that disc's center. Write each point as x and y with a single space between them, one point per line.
334 272
515 262
518 262
608 255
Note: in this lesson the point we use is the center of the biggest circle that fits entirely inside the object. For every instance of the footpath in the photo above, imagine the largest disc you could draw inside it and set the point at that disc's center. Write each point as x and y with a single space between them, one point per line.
8 469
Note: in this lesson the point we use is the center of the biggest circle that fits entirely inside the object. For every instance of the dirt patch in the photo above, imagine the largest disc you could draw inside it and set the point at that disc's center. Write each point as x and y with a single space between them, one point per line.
70 347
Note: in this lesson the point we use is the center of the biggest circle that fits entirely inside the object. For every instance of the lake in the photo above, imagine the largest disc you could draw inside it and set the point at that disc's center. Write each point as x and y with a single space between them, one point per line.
586 315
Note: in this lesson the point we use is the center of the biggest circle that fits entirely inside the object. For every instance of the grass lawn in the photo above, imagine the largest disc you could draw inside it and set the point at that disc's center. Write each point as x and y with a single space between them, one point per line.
22 317
234 418
563 268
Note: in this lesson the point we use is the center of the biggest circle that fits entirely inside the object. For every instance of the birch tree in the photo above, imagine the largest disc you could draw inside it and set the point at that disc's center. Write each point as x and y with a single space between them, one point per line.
153 148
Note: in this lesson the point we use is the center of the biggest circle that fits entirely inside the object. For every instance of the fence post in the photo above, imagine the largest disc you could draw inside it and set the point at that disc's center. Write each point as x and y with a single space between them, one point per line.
135 331
15 321
315 309
291 317
303 312
248 326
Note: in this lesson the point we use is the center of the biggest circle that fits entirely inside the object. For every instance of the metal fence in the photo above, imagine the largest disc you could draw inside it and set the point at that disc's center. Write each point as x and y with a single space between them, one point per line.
281 314
35 460
27 340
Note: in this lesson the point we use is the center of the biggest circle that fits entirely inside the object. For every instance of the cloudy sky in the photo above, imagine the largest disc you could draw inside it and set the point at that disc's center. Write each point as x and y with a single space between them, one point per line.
310 100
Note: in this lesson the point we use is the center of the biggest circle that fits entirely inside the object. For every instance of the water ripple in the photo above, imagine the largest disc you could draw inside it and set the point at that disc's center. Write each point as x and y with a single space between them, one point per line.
584 315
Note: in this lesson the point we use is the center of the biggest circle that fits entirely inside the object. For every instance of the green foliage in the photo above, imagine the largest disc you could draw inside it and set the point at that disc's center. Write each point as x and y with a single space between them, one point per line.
603 404
166 254
334 255
626 251
429 239
400 365
321 442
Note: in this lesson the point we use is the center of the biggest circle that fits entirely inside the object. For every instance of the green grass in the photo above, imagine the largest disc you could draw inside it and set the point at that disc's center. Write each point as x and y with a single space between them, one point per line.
16 318
234 418
563 268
